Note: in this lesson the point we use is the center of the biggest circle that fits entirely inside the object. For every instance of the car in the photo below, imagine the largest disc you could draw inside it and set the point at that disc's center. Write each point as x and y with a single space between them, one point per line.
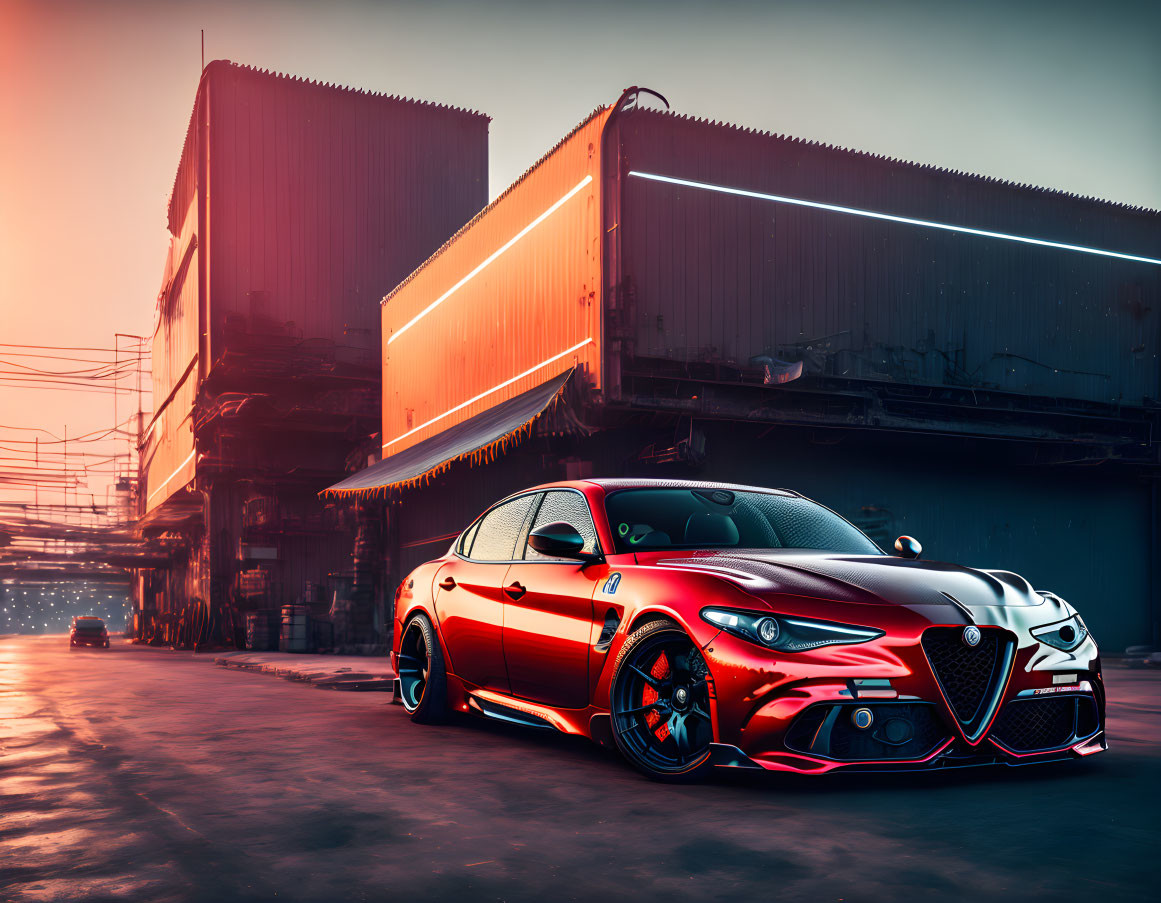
88 631
700 625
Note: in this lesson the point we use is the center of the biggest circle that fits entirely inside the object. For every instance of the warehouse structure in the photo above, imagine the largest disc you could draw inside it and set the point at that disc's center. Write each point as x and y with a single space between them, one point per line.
295 206
969 361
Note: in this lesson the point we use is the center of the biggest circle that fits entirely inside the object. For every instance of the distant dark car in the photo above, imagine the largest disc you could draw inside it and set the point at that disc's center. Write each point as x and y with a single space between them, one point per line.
88 631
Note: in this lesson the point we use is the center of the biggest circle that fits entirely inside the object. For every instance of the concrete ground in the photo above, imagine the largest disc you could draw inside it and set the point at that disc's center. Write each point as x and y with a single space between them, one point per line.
336 672
141 774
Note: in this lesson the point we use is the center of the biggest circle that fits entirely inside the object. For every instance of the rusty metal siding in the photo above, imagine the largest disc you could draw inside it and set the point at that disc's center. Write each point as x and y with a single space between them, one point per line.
529 314
718 277
321 200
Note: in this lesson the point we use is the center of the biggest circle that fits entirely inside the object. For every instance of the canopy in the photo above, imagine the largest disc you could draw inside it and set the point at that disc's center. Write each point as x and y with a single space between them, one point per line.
473 438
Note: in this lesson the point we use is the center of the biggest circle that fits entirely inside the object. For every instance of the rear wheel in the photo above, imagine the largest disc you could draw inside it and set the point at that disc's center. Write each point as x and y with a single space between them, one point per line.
422 676
660 704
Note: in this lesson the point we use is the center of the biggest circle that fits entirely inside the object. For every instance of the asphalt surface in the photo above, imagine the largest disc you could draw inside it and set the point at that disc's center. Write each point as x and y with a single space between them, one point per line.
142 774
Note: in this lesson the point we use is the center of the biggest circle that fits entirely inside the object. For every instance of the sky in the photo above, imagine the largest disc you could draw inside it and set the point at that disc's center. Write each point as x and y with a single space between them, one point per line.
95 98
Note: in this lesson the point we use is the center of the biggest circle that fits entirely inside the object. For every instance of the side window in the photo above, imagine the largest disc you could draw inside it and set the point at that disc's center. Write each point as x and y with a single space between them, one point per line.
499 528
571 508
466 540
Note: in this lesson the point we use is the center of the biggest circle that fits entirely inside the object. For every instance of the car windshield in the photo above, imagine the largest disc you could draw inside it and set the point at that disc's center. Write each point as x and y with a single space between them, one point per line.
654 519
90 625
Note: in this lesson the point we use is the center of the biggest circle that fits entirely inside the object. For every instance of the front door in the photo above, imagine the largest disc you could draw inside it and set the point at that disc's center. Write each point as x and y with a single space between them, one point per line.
548 613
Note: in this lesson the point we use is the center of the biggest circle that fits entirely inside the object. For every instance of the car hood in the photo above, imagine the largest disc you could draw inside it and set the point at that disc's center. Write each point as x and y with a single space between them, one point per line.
870 579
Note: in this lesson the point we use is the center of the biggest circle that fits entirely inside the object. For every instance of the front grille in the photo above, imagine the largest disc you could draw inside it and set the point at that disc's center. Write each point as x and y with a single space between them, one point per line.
967 674
1030 725
827 730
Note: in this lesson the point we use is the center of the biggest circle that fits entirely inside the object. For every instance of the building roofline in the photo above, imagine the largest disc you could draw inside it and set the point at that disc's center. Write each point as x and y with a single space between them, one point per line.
909 164
215 65
761 133
491 205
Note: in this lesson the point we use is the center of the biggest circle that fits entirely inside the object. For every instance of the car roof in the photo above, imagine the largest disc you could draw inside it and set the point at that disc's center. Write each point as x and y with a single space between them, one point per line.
612 484
616 483
658 483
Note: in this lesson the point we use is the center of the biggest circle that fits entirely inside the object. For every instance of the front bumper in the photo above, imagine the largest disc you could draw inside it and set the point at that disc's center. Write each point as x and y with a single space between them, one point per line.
952 755
796 713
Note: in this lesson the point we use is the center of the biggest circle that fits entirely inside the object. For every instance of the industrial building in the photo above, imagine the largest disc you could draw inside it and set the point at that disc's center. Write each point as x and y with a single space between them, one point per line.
965 360
296 205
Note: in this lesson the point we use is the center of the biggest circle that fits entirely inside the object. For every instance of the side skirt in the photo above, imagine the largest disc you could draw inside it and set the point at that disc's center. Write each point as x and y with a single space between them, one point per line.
498 712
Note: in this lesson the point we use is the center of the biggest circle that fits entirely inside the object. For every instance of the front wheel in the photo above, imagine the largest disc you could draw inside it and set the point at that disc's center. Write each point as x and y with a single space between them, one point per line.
660 704
422 676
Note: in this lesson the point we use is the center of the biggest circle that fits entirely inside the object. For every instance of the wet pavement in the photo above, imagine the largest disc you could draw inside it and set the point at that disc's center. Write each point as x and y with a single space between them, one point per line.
144 774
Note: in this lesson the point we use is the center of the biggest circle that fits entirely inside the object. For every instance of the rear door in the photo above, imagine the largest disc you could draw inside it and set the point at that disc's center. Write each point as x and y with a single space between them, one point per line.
469 600
548 615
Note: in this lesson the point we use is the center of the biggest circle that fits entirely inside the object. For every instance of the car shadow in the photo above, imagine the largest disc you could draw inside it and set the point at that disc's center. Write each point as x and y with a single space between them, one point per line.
583 750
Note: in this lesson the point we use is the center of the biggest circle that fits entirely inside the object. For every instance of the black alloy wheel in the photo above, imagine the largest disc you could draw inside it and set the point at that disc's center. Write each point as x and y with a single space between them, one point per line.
660 704
422 677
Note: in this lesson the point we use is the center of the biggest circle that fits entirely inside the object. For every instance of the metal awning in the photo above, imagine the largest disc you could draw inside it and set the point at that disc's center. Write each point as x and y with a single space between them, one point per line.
473 438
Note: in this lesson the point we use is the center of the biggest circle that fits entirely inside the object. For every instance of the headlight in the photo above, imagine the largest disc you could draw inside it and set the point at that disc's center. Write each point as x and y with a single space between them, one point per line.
1063 635
786 634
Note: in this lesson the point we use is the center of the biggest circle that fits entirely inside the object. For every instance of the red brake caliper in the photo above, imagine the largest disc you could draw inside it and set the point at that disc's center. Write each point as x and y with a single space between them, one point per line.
660 671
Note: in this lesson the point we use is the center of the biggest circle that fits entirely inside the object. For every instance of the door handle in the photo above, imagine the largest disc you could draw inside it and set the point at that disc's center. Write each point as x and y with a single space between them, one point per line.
515 590
449 583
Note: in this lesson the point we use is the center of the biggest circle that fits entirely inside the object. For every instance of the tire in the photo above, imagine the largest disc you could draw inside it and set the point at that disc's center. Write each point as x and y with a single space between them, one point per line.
668 741
422 674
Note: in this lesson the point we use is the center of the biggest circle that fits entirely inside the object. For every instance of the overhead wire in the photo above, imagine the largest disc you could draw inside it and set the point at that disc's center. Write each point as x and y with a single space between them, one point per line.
129 346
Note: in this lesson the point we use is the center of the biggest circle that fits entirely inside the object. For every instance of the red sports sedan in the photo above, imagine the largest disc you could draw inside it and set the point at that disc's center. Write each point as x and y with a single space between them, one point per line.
700 625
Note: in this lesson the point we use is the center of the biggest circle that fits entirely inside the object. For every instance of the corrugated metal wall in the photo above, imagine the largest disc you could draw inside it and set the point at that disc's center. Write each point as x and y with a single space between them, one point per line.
515 295
318 200
718 277
166 462
323 199
295 208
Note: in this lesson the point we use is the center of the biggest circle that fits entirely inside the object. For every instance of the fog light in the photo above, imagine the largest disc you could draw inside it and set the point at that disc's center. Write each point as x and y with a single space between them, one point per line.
897 731
862 718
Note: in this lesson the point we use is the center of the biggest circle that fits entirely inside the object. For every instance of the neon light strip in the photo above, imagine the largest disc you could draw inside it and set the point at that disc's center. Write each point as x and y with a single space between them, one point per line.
497 388
871 214
515 238
172 475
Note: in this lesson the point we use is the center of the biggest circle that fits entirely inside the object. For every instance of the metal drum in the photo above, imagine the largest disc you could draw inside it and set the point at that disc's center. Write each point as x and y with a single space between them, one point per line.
262 630
295 635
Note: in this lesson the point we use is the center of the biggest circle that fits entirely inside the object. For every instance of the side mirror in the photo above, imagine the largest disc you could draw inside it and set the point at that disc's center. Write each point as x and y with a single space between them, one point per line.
558 540
908 547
